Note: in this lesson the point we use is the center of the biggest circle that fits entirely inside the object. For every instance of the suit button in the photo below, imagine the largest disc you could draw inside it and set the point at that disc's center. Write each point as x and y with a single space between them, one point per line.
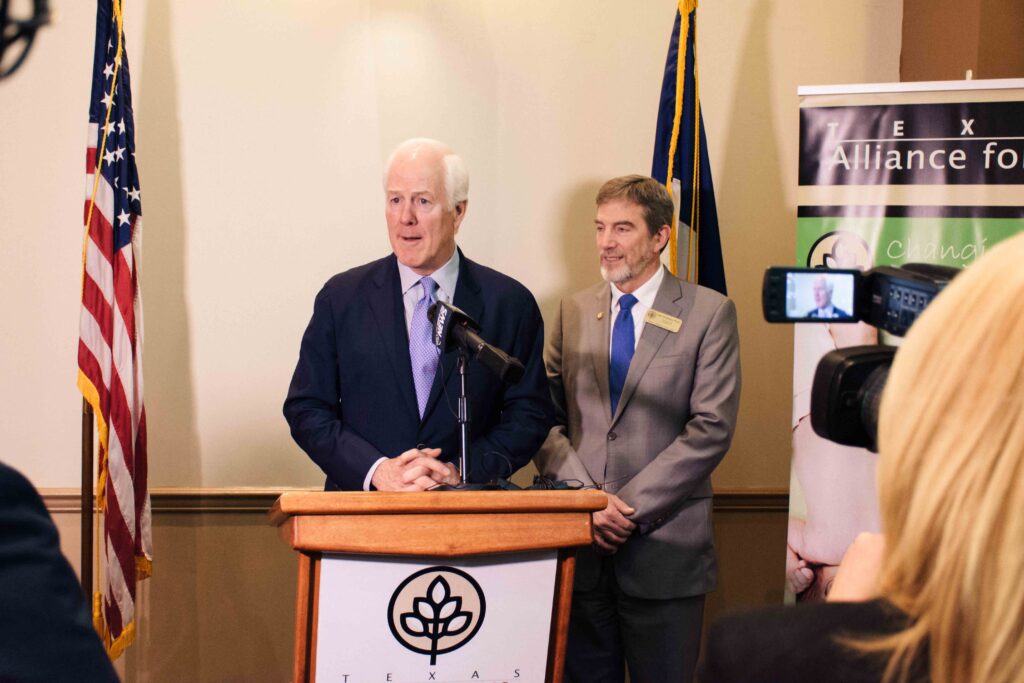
612 436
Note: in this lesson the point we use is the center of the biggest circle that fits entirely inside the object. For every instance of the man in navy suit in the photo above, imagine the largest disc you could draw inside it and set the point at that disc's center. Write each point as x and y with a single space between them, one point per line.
823 307
371 402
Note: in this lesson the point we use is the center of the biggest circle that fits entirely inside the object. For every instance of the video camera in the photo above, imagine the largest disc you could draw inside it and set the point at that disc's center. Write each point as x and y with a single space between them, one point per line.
848 382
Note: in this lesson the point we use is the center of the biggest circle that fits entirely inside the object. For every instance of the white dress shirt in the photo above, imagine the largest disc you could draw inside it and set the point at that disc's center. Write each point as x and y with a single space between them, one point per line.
645 295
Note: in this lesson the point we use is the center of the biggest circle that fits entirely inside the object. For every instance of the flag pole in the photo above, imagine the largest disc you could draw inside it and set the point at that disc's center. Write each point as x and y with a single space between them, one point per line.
87 505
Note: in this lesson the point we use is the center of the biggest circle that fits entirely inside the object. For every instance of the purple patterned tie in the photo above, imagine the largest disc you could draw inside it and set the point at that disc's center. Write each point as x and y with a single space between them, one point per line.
422 351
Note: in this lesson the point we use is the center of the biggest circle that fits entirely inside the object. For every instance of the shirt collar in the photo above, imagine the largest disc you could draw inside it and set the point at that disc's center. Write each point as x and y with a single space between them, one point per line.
446 276
645 293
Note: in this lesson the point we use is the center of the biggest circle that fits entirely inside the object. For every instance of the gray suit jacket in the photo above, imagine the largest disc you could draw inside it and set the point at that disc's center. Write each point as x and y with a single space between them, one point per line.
673 425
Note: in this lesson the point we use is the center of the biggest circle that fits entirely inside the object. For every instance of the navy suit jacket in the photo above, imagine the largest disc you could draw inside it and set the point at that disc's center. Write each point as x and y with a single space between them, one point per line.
352 398
46 631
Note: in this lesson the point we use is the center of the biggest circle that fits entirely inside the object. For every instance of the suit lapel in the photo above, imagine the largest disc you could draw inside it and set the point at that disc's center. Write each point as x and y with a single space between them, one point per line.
389 312
597 326
468 298
668 300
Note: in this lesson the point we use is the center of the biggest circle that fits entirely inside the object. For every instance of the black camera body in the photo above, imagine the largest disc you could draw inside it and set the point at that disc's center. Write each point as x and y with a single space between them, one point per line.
889 298
848 382
847 392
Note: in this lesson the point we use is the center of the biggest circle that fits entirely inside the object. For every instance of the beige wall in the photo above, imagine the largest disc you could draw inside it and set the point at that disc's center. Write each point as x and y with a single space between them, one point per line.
262 126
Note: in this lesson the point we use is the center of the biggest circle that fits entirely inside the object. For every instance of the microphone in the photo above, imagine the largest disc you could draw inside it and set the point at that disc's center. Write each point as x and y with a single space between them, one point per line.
453 328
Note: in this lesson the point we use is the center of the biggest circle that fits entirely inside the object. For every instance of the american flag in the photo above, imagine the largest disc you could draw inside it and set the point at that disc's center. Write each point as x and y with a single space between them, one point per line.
110 342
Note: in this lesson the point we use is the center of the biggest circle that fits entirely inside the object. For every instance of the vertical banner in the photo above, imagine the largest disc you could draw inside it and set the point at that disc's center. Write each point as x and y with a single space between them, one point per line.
889 174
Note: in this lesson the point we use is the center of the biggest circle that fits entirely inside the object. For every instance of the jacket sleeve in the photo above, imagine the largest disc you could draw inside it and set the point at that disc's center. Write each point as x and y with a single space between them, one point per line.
557 459
314 408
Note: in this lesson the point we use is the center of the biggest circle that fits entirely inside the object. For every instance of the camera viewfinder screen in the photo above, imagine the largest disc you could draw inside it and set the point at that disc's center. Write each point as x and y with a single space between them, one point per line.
819 295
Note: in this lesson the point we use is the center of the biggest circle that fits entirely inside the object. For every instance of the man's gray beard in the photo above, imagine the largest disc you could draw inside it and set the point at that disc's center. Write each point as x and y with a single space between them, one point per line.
628 273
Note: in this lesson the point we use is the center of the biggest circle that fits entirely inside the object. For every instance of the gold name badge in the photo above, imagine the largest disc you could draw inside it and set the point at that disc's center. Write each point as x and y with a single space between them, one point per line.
663 320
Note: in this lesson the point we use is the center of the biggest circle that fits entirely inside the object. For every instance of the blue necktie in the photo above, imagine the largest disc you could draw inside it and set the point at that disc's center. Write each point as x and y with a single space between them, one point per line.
422 352
622 348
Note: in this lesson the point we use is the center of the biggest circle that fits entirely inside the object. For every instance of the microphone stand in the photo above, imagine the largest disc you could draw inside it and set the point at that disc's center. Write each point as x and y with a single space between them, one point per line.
463 420
469 345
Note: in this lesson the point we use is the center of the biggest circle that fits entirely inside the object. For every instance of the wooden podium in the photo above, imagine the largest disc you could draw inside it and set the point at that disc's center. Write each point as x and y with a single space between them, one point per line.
434 526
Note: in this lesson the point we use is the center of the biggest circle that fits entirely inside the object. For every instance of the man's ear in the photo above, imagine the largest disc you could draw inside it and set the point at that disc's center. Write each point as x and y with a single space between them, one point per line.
460 212
662 237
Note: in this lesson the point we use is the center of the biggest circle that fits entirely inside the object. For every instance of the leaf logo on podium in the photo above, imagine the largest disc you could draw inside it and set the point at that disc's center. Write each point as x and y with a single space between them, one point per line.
436 610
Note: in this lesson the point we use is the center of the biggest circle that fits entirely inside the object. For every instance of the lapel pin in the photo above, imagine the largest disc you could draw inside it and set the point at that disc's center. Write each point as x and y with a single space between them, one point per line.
600 315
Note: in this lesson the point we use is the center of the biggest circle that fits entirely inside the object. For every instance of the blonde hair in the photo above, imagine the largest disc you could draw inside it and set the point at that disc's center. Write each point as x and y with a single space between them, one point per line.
951 479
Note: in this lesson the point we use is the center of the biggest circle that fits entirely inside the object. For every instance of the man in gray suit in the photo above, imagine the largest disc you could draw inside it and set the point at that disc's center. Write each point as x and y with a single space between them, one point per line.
644 372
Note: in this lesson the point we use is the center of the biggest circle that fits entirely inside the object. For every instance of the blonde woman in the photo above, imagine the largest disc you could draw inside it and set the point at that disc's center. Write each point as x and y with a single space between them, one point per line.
941 597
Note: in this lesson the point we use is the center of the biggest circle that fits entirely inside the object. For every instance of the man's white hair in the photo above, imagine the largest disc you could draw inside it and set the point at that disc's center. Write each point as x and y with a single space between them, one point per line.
456 178
829 285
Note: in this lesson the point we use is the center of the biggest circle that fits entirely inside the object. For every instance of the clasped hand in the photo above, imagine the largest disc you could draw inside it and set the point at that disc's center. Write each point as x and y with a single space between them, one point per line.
418 469
611 526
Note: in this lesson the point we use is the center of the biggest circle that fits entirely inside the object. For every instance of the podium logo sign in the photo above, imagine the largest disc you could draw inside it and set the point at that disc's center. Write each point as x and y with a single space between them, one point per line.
436 610
386 618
